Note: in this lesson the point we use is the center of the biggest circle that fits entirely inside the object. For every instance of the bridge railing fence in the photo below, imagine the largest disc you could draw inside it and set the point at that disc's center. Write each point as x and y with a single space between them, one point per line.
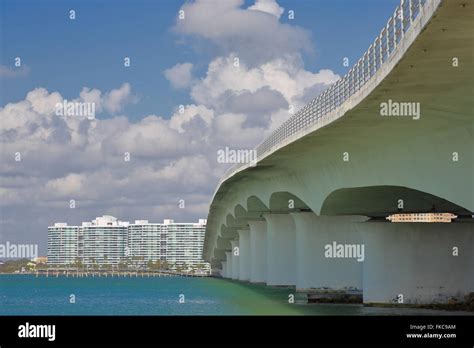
358 75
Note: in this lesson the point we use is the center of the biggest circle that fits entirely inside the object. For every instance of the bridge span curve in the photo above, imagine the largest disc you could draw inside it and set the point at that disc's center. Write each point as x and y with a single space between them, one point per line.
340 165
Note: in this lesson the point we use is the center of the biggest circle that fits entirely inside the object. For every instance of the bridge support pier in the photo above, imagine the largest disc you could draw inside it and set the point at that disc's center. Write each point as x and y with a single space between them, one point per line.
229 268
235 259
244 254
314 235
418 261
258 251
281 249
224 269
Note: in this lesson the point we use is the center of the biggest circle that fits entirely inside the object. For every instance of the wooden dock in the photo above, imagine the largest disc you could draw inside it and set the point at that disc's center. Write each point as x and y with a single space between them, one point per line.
74 273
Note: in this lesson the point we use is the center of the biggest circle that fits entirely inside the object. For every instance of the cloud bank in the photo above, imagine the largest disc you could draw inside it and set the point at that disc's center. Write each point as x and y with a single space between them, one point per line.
144 169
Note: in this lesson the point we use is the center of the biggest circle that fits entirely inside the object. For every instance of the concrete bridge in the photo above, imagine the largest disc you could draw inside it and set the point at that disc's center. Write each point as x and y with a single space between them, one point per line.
311 212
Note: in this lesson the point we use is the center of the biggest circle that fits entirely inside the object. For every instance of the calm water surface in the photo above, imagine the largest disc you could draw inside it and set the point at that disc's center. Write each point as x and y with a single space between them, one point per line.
28 295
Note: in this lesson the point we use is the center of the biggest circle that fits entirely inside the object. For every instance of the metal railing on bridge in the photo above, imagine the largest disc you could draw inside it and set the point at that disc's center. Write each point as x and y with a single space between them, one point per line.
336 94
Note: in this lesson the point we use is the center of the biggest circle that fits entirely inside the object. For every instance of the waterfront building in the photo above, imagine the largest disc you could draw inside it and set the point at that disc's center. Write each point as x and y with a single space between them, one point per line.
107 241
102 241
62 244
40 260
184 244
146 242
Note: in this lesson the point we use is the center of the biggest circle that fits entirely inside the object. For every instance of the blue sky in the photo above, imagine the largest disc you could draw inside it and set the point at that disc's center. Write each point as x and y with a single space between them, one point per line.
67 55
283 64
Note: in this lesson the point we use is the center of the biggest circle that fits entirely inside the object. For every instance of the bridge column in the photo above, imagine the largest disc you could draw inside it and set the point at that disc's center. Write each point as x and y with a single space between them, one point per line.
281 250
235 259
229 268
258 251
418 261
224 269
228 255
316 236
244 254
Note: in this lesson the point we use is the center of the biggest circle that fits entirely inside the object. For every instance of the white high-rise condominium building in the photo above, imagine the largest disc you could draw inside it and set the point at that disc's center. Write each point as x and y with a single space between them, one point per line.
98 242
146 242
102 241
185 242
62 244
108 241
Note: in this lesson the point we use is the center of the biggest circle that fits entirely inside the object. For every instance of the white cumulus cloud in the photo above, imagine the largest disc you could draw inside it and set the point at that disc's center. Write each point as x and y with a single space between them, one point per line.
171 157
285 75
180 75
268 6
250 33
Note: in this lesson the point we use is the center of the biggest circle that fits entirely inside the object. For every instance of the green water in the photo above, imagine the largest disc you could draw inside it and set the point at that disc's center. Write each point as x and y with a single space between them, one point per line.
28 295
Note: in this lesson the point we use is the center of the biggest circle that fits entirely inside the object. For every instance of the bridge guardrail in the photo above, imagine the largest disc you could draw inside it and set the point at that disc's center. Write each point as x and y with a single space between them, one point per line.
336 94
